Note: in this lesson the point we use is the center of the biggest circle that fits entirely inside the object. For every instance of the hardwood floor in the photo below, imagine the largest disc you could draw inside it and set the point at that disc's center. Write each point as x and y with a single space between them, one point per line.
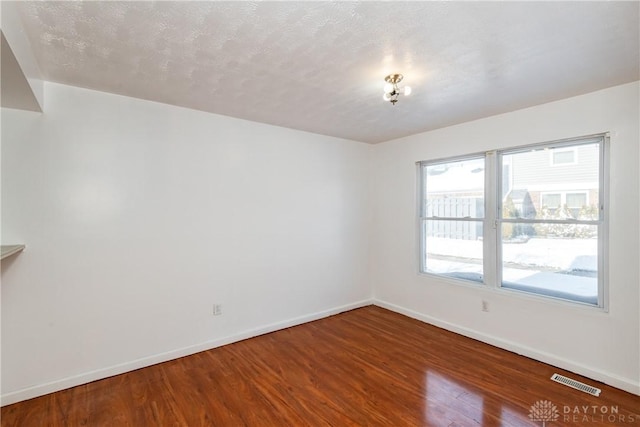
366 367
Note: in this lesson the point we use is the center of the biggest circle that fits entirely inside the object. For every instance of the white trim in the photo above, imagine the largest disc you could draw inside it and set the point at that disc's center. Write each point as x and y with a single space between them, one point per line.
512 293
603 241
420 212
64 383
492 255
98 374
613 380
491 251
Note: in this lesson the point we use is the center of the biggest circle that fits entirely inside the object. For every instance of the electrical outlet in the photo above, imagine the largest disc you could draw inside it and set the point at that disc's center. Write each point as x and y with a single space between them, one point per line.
485 306
217 309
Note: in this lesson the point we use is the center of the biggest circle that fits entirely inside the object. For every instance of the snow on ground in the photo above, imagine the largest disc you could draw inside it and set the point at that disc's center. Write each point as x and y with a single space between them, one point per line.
530 264
560 254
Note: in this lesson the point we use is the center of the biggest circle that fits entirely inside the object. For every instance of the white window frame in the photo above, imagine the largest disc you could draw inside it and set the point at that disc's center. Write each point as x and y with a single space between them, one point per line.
492 223
422 216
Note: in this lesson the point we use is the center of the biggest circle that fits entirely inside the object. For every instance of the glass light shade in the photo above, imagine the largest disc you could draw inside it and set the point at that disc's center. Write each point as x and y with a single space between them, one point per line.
386 97
388 88
407 90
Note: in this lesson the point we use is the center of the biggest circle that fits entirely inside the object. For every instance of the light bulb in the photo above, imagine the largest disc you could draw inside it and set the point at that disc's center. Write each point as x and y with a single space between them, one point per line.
407 90
388 88
386 97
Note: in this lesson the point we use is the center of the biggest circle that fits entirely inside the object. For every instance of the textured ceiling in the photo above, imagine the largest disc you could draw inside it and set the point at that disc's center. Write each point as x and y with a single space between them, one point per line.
319 66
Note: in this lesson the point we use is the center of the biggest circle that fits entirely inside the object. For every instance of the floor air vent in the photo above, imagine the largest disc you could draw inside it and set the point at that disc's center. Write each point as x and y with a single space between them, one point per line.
576 384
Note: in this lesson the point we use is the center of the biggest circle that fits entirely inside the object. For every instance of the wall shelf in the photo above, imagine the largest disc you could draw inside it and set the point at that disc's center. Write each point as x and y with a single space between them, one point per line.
8 250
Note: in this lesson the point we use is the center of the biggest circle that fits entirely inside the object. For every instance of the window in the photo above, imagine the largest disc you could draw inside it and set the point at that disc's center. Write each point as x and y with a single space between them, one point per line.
572 203
508 219
453 215
551 201
576 202
563 156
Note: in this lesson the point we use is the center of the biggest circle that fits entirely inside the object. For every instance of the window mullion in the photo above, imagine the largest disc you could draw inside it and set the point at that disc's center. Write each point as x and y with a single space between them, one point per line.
490 238
538 223
603 227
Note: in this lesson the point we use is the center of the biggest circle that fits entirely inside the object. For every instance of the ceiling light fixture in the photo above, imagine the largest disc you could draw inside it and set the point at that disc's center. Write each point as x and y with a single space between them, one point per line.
391 89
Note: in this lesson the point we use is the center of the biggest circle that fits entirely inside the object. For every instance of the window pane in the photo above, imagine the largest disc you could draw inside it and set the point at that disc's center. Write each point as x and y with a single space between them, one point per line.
551 201
561 261
538 190
560 157
577 204
454 189
453 248
576 200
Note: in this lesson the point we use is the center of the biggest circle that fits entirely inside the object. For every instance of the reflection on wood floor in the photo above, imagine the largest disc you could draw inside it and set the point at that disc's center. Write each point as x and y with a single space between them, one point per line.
366 367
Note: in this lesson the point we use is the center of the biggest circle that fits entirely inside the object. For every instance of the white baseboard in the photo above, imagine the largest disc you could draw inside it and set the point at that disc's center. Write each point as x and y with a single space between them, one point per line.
551 359
98 374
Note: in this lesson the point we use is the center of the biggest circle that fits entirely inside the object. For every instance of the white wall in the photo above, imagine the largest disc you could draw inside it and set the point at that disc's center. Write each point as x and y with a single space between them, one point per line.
604 346
139 216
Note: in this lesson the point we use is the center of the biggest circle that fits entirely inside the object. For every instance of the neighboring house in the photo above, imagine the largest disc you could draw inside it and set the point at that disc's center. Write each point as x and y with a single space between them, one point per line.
550 183
553 179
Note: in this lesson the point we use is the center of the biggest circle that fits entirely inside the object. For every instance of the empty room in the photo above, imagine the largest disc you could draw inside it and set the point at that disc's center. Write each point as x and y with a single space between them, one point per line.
322 213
